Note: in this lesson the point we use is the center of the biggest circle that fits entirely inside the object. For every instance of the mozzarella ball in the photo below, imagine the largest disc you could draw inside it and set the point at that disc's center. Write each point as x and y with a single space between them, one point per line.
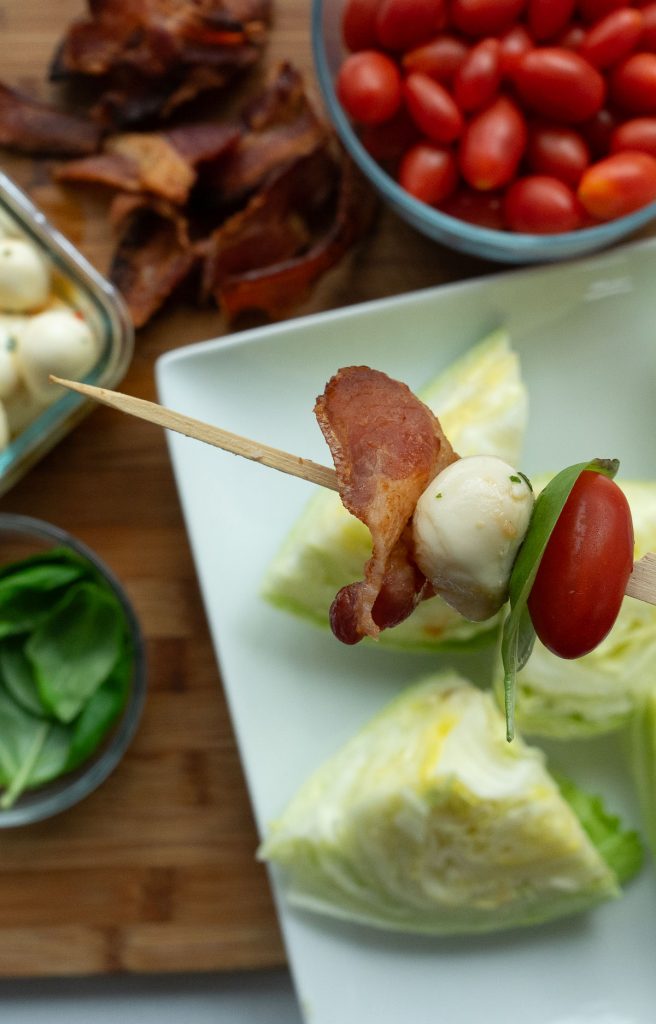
468 526
56 342
24 276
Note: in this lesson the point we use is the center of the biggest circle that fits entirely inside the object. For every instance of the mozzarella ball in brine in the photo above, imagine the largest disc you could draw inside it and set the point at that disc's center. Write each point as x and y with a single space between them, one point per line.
24 276
468 526
57 342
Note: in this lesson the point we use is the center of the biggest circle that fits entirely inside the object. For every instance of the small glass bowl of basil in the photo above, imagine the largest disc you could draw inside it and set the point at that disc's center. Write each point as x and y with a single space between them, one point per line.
72 671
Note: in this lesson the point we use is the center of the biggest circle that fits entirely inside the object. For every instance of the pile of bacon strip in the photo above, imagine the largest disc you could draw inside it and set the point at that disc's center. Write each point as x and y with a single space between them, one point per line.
252 208
387 446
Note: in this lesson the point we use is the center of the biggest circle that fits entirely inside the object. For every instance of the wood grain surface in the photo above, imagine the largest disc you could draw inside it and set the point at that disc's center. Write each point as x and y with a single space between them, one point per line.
156 870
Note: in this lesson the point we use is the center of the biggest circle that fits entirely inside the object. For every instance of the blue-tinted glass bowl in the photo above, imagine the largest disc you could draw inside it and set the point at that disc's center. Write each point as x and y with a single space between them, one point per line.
501 246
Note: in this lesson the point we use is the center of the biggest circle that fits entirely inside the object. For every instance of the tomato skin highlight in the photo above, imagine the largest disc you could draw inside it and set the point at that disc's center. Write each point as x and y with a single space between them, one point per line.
369 87
618 185
580 583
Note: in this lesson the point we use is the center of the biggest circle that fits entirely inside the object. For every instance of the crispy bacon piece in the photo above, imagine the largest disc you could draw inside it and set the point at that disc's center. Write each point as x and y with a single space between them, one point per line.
387 446
280 125
153 258
154 55
162 163
275 289
28 126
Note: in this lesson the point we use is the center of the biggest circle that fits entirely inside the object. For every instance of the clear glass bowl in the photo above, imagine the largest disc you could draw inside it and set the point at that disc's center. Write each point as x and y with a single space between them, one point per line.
83 288
502 246
21 536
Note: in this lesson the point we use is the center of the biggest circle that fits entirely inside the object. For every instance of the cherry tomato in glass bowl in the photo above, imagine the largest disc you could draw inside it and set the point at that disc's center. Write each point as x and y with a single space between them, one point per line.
369 87
618 185
580 583
542 205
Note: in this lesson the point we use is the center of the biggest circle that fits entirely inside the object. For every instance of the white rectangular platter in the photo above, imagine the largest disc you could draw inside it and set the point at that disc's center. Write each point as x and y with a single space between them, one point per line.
586 336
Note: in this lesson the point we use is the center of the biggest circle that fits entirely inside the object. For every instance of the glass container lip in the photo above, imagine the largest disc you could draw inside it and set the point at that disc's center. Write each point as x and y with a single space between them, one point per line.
65 791
514 247
52 424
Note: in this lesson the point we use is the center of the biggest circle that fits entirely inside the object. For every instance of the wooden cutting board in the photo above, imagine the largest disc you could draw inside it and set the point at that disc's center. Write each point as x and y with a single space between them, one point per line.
156 870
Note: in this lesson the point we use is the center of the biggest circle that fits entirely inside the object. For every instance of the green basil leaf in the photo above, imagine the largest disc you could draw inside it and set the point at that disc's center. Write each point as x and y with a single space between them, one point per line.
102 710
73 651
27 595
518 635
18 676
32 750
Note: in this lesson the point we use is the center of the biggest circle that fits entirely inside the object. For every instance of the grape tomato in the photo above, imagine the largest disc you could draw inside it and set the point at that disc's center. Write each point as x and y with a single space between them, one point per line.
612 38
542 205
492 146
546 18
369 87
432 108
477 80
428 173
402 24
618 185
559 84
559 152
440 58
583 573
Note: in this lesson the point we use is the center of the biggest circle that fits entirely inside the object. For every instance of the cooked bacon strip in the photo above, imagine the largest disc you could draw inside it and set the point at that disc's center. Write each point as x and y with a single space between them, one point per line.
274 225
28 126
387 446
163 164
279 126
276 289
154 55
153 258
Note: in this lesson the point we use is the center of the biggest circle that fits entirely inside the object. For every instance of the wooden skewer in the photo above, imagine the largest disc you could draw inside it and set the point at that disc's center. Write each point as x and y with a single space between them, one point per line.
642 582
274 458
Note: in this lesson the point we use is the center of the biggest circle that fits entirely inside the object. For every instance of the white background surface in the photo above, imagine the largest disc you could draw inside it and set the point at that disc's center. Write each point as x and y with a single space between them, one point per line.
261 997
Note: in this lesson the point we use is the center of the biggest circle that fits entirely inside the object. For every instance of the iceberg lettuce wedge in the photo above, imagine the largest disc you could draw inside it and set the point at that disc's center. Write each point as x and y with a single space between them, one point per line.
595 694
429 821
482 404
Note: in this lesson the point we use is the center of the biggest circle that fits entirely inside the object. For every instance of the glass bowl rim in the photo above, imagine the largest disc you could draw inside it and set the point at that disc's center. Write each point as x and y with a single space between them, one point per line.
63 792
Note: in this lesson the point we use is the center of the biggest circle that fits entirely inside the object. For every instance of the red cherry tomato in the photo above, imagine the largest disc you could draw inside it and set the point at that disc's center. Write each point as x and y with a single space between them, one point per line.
477 80
428 173
484 17
369 87
613 38
402 24
559 84
432 108
558 152
546 18
540 205
633 84
440 58
481 208
580 583
620 184
514 44
492 145
637 134
359 24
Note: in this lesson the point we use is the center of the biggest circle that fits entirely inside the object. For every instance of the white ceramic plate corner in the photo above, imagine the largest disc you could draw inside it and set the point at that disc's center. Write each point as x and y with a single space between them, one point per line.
586 335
